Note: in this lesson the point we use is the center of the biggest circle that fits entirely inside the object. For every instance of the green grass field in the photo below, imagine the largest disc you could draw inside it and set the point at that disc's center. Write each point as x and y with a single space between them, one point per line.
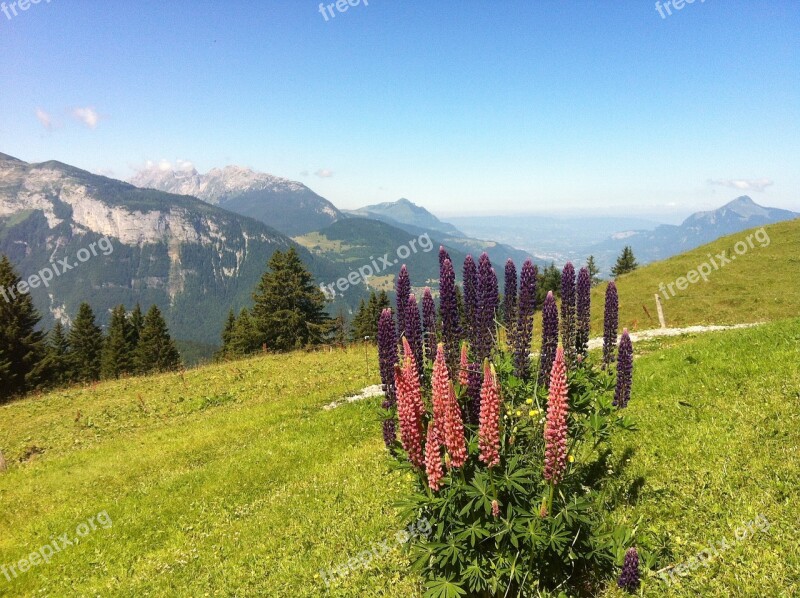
233 481
759 285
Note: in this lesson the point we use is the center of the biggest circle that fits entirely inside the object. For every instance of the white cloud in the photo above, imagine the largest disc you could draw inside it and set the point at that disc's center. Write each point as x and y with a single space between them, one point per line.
304 173
45 119
324 173
744 184
87 116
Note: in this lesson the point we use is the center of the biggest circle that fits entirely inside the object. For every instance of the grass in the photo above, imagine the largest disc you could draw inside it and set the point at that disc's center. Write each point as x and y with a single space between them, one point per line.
232 480
728 297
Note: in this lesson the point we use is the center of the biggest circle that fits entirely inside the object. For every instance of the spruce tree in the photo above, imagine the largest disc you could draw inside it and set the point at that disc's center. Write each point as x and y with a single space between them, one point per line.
85 346
244 339
57 360
289 310
135 328
594 271
549 280
626 263
227 332
22 347
117 358
339 334
155 351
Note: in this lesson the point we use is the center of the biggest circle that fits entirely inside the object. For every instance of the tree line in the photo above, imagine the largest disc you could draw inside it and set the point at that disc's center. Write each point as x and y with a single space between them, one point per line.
31 359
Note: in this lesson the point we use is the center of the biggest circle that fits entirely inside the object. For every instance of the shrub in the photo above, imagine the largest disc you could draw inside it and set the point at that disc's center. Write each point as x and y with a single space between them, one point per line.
518 498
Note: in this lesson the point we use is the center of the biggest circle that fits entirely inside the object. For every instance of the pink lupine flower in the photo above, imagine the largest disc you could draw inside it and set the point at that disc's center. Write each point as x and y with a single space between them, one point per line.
555 431
463 370
433 457
446 412
409 412
495 509
489 431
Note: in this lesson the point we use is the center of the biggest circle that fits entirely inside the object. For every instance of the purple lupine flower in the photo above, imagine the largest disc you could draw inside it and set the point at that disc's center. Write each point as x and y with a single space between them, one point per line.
629 578
610 324
429 325
523 331
487 306
510 295
414 331
448 311
549 338
443 255
568 319
387 358
622 393
402 290
474 384
470 298
583 304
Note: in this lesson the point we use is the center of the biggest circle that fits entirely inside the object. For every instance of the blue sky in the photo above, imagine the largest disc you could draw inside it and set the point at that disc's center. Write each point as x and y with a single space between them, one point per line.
462 106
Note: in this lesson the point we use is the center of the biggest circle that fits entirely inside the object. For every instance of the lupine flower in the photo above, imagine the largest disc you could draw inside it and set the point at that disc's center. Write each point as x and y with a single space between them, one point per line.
433 457
409 411
474 385
463 369
510 295
549 338
622 393
470 297
387 358
414 331
583 304
555 431
443 255
448 308
446 412
568 319
523 331
610 324
487 306
495 509
489 431
428 324
402 290
629 578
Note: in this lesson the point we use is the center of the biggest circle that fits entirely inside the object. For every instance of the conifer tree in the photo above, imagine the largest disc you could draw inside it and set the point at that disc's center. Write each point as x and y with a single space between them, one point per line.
626 263
135 328
244 339
85 346
339 334
289 310
227 331
117 358
156 351
549 280
22 347
57 360
594 271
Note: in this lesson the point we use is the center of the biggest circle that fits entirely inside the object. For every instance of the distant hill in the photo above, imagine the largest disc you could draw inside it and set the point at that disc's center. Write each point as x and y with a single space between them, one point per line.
703 227
194 260
287 206
407 215
757 285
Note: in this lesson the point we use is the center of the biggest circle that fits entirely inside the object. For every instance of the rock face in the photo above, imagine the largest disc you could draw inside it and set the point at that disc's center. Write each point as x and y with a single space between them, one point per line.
288 206
192 259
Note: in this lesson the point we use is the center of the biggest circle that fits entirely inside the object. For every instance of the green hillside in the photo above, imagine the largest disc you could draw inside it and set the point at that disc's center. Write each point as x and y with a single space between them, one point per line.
759 285
232 480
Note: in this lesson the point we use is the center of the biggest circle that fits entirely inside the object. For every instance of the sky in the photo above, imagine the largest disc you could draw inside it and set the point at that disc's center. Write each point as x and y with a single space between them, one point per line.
465 107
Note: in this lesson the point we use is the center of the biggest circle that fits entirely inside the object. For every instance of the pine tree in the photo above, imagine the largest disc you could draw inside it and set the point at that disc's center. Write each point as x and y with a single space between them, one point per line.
85 346
626 263
339 334
244 339
22 347
135 328
549 280
57 360
156 351
365 322
227 332
594 271
289 310
117 358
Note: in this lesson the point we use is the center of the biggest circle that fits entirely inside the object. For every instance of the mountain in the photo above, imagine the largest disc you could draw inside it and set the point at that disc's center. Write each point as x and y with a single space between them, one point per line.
287 206
702 227
416 220
194 260
407 215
